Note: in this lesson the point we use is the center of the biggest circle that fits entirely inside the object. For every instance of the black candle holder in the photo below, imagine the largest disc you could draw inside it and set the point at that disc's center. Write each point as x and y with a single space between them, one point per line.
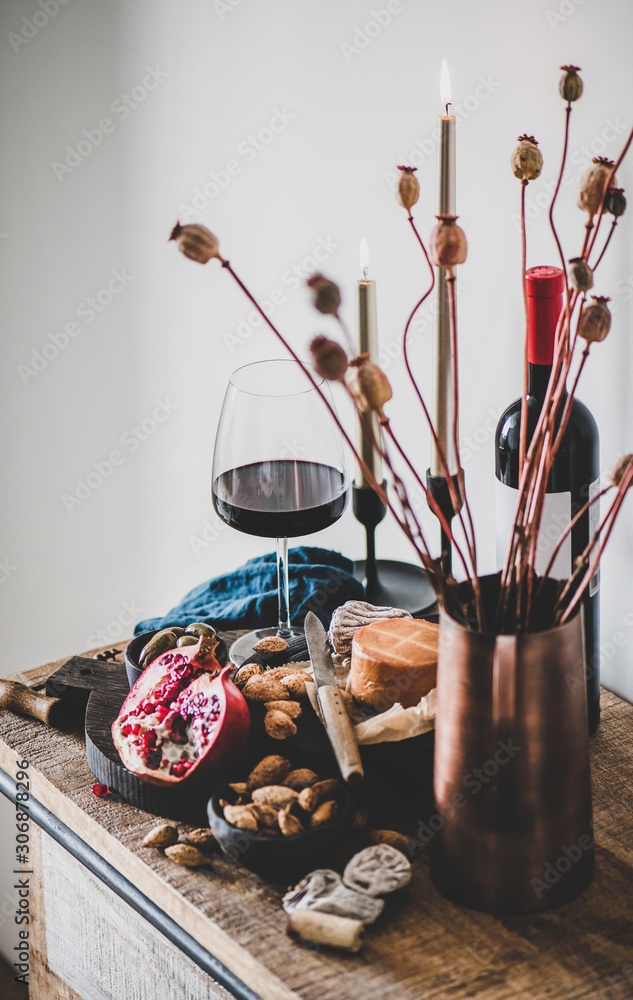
387 582
438 488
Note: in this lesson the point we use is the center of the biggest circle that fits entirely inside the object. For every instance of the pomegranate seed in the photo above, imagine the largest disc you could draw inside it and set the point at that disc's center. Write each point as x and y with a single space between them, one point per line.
161 712
101 791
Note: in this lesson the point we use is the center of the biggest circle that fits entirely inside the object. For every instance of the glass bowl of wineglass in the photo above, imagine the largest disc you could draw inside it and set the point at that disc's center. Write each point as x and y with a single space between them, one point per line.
278 468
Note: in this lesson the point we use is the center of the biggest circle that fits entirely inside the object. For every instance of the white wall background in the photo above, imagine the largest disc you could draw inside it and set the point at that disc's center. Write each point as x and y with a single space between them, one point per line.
222 70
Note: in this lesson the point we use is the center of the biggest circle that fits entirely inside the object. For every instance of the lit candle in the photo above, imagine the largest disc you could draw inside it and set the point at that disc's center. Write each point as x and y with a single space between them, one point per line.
446 205
367 344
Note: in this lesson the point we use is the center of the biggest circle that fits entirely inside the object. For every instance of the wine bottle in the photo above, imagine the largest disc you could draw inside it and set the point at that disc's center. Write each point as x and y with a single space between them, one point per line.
575 473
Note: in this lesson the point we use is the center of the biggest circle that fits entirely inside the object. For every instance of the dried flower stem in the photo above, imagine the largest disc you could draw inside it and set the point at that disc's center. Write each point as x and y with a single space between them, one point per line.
611 516
376 486
523 432
607 185
455 500
446 527
563 262
568 529
606 243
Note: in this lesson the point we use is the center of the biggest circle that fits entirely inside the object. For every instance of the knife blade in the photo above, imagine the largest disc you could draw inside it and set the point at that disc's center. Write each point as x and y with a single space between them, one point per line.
335 718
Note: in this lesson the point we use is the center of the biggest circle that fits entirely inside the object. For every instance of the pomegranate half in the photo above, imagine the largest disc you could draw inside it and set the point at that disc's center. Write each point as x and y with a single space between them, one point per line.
183 719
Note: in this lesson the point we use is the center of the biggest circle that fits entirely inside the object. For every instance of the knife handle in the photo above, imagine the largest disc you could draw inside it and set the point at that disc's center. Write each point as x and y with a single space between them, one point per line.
341 734
22 699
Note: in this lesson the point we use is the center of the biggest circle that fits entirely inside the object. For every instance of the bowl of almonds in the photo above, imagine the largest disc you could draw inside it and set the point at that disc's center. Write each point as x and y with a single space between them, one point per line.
281 820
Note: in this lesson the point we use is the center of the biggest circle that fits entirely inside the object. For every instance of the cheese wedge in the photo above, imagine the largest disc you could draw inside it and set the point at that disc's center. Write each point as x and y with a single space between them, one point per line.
393 661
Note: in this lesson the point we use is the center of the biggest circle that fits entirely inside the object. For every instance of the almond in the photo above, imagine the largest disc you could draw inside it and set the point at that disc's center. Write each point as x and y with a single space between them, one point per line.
311 798
326 812
245 673
277 796
308 800
242 817
279 725
161 836
266 816
279 672
295 684
239 787
186 855
301 778
291 708
264 688
202 838
289 824
271 770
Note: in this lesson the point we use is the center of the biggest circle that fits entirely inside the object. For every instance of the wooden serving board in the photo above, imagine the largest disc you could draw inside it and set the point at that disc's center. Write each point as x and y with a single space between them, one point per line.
388 767
108 687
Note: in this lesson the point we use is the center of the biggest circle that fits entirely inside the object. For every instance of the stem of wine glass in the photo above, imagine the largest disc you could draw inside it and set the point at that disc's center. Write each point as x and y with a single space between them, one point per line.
283 594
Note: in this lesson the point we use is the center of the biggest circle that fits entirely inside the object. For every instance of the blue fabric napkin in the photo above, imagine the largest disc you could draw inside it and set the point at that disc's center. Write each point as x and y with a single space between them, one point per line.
319 580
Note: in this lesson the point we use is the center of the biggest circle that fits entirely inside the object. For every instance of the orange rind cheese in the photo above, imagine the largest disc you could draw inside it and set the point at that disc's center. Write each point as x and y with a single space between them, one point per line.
393 661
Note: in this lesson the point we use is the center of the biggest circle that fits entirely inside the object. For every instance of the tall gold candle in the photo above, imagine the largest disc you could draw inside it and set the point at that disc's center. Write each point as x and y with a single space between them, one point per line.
443 355
367 344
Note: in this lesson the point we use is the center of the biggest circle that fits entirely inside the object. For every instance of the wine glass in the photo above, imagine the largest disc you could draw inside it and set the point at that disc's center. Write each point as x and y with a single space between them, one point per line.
278 468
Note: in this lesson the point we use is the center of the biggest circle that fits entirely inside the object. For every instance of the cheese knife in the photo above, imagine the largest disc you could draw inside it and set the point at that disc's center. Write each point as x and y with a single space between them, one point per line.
335 718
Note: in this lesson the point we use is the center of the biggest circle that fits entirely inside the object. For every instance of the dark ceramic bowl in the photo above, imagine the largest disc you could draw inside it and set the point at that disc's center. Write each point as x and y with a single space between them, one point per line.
134 647
284 858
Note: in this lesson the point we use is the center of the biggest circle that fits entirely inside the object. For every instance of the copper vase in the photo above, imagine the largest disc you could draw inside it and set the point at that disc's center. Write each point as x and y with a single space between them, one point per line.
512 783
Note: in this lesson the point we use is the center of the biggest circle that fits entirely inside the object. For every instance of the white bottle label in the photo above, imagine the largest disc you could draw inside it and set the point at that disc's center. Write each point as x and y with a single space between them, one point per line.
555 518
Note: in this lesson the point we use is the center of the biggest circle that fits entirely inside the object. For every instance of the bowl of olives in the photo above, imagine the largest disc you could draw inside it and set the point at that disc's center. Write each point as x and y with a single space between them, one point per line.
146 647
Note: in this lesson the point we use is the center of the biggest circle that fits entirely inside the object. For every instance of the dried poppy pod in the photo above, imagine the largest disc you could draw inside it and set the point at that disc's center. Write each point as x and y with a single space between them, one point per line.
526 160
615 202
592 185
329 358
621 468
448 245
368 385
326 297
407 188
196 242
581 274
570 85
595 320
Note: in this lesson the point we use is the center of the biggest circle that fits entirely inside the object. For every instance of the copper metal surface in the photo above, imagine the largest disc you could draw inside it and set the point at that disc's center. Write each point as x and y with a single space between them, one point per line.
512 782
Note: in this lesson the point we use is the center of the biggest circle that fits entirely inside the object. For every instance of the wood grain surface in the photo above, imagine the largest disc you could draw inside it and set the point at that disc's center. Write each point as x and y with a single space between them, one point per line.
421 947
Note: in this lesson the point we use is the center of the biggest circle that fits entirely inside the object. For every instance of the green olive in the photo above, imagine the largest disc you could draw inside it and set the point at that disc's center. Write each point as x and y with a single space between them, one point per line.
175 631
200 628
159 643
187 640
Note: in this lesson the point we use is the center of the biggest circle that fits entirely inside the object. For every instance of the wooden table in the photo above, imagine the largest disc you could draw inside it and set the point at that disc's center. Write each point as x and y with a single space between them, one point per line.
113 920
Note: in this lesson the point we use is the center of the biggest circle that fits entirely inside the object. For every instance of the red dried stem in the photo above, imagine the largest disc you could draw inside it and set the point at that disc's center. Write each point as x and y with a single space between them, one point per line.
405 350
377 487
446 527
607 185
570 527
523 433
606 243
611 517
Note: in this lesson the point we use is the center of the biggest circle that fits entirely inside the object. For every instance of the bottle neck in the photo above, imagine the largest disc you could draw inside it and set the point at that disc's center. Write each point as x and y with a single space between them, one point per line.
538 377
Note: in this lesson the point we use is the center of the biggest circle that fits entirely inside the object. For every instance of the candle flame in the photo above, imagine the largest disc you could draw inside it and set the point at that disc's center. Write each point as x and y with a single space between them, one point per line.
445 86
364 256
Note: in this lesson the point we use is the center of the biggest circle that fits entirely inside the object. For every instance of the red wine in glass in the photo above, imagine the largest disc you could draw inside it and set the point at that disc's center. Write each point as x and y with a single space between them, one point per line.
278 468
